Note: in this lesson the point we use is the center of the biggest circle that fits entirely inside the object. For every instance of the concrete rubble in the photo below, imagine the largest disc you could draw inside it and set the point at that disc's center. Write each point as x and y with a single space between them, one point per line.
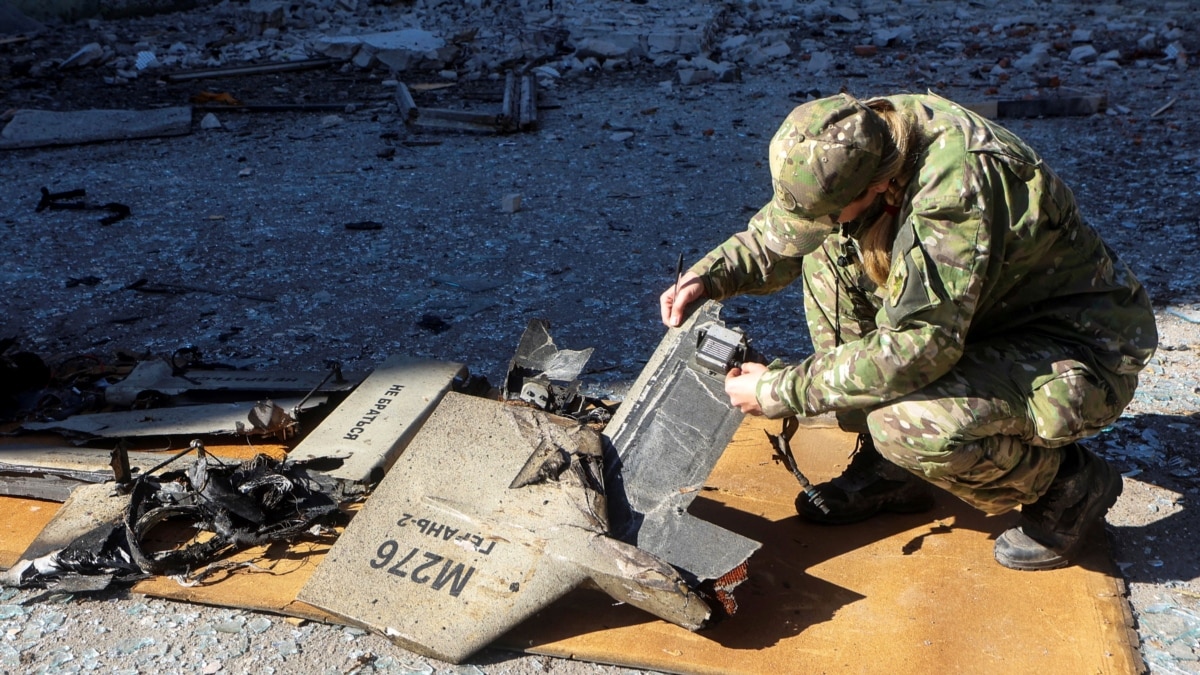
703 42
36 128
1024 55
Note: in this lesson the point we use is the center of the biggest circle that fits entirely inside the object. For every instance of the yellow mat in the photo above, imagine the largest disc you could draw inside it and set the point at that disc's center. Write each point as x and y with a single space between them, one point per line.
21 520
896 594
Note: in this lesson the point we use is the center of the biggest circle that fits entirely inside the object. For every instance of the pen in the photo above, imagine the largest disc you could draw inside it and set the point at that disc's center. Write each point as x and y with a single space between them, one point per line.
678 274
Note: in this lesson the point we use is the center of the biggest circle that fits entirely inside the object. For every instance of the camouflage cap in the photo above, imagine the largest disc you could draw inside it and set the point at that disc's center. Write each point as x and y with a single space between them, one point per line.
822 158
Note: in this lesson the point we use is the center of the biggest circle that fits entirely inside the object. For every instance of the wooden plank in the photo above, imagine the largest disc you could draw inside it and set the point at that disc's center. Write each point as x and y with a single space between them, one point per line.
404 100
528 113
511 107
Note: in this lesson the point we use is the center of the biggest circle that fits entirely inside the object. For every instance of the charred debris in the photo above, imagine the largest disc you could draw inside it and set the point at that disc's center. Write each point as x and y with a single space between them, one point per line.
621 474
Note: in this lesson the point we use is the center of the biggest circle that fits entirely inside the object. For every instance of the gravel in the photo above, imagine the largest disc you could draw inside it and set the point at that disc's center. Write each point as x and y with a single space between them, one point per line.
628 169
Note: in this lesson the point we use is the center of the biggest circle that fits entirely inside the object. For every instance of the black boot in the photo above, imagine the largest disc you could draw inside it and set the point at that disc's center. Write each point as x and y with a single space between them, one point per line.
1054 527
869 485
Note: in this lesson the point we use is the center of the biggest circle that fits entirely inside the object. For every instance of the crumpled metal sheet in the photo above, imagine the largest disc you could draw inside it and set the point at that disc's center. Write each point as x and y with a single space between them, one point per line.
493 512
231 507
660 448
537 358
192 420
156 375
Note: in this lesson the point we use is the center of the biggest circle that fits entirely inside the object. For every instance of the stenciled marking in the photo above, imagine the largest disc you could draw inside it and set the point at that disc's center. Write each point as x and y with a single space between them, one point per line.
373 412
422 567
437 530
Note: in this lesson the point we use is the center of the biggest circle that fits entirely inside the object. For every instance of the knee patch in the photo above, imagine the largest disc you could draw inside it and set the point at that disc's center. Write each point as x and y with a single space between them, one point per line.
909 438
1071 403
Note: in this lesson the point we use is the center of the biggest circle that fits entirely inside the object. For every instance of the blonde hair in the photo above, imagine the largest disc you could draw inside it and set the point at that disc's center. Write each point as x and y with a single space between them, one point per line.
895 169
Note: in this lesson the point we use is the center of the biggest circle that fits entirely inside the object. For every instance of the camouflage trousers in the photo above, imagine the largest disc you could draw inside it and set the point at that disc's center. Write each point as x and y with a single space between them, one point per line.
989 430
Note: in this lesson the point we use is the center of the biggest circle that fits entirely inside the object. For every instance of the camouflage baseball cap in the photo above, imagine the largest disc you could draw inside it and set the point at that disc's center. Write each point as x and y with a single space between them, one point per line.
822 158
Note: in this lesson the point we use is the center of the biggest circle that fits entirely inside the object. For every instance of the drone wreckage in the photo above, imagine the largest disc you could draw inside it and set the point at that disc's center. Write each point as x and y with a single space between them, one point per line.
567 490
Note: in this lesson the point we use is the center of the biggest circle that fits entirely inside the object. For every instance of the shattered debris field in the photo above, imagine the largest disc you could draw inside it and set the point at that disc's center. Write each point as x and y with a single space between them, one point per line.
329 341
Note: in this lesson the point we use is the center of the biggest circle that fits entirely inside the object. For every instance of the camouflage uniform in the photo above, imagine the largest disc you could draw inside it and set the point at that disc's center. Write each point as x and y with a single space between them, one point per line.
1006 327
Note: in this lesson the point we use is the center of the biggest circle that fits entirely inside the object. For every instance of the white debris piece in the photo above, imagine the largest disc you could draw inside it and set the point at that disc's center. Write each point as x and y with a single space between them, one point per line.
1037 57
892 36
1083 54
398 50
87 55
145 60
819 62
688 77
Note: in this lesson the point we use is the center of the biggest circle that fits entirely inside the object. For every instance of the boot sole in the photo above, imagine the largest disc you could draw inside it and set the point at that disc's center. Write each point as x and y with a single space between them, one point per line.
1095 513
812 514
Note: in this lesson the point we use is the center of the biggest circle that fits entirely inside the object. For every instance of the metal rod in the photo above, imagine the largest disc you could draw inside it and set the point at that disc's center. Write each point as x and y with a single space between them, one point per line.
259 69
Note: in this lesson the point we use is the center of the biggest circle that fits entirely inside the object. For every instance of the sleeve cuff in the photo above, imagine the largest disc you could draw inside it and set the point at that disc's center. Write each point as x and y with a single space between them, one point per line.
767 393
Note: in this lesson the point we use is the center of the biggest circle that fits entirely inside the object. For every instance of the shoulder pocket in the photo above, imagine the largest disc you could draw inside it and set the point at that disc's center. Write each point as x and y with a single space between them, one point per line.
910 288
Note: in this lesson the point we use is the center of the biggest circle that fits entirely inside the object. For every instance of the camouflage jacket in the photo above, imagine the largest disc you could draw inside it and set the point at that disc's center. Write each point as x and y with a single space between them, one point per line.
990 243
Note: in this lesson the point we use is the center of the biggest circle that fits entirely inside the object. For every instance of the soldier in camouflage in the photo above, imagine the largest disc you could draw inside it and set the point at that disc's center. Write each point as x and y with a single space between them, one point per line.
966 321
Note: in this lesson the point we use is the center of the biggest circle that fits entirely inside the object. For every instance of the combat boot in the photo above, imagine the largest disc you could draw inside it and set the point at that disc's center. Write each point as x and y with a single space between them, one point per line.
869 485
1054 527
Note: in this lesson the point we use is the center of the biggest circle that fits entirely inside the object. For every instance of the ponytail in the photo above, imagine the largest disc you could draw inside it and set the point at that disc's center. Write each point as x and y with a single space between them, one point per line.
896 169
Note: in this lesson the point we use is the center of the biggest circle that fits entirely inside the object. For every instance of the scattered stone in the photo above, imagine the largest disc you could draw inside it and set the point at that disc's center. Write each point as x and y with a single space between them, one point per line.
847 13
1083 54
865 50
622 136
734 42
398 50
727 72
885 37
331 121
1037 57
1175 52
776 50
819 62
1081 35
261 15
689 77
602 49
511 203
210 121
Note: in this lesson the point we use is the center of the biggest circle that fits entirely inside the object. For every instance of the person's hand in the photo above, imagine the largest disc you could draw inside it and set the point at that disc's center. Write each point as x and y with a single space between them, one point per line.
675 300
741 385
